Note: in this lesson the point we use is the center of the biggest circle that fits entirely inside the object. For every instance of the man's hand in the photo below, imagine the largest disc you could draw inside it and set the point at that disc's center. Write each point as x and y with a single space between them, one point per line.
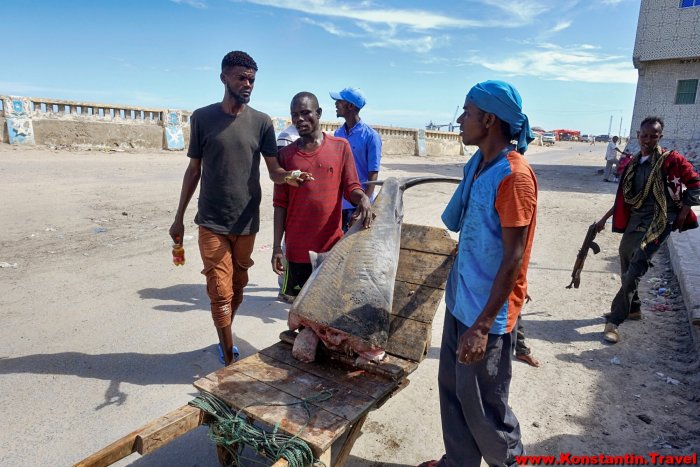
177 231
297 177
278 260
680 218
472 345
363 212
600 225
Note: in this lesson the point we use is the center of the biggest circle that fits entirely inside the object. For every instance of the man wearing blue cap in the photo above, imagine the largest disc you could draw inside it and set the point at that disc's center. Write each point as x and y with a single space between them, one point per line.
494 211
364 141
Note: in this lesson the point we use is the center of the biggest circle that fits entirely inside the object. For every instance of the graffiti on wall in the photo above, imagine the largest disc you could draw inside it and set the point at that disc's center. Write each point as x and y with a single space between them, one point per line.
19 122
174 138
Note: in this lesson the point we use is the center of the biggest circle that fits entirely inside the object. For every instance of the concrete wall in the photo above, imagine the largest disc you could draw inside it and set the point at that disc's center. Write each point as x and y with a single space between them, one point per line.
666 50
85 124
665 31
97 134
656 94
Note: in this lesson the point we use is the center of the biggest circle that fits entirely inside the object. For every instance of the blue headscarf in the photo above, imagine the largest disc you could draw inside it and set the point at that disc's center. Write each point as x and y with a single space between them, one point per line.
503 100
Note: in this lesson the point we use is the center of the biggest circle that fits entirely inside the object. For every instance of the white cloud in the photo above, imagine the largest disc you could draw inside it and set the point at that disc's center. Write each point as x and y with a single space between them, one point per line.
330 28
561 25
193 3
415 19
564 64
525 12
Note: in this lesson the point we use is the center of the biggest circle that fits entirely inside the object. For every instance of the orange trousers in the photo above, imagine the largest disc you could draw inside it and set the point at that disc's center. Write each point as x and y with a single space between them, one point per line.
226 259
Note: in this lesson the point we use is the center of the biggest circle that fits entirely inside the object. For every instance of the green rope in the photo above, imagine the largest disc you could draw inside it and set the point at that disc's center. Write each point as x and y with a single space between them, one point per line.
232 431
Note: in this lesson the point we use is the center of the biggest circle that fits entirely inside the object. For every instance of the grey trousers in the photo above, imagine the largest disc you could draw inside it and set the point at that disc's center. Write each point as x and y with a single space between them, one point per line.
609 174
521 347
477 421
634 263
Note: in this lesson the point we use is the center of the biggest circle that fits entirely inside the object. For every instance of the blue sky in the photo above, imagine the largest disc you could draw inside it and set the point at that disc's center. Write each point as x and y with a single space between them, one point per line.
571 60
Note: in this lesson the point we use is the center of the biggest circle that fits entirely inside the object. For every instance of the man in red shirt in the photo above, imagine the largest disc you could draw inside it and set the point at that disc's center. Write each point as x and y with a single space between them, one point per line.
309 216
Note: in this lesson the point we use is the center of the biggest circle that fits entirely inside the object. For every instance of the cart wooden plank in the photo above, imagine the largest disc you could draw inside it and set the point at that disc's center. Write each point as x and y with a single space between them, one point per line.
240 391
370 384
427 239
418 267
409 338
418 302
345 401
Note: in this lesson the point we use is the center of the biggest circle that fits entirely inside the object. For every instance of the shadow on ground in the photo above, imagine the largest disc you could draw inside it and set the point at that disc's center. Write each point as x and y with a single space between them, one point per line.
257 301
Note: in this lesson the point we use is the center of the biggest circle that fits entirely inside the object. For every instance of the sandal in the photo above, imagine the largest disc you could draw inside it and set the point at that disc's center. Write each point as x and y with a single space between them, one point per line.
236 354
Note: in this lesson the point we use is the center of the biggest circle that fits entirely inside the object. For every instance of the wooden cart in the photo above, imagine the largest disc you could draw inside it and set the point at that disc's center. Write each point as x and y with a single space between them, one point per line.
273 376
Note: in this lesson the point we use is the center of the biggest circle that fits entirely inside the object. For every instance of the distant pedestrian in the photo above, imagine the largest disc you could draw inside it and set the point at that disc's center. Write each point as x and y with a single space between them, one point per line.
611 159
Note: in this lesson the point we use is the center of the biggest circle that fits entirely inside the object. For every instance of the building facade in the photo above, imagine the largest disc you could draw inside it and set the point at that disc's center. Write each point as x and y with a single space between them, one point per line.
667 58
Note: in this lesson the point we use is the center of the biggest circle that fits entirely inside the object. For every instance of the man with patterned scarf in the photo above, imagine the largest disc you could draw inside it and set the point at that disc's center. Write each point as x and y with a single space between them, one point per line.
649 205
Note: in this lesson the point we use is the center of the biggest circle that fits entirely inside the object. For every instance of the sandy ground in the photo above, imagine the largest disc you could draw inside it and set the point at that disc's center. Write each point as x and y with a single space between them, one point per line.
101 333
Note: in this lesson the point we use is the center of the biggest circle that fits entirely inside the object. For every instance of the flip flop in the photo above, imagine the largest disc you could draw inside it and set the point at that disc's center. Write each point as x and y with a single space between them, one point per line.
236 354
221 354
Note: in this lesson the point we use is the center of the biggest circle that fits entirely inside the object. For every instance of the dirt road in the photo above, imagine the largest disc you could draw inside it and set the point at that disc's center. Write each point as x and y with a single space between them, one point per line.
101 333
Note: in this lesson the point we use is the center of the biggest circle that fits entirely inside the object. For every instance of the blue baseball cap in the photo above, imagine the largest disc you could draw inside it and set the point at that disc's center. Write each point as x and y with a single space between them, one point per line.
352 95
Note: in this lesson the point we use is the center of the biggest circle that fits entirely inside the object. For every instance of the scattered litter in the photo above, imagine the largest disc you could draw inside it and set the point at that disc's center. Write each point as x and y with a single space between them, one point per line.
8 265
638 396
85 254
188 237
660 375
535 424
50 229
99 229
615 360
670 380
661 307
124 213
655 281
266 247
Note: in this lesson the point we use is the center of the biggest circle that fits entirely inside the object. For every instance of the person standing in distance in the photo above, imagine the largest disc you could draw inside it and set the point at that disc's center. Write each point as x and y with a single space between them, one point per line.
226 141
364 141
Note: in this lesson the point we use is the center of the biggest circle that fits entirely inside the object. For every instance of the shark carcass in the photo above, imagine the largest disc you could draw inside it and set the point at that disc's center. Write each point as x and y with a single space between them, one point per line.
347 301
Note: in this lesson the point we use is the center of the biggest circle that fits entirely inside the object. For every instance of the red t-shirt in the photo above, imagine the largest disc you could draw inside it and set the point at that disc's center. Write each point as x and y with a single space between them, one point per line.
314 209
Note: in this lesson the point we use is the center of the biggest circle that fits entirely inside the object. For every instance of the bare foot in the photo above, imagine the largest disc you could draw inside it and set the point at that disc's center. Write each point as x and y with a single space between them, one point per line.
529 359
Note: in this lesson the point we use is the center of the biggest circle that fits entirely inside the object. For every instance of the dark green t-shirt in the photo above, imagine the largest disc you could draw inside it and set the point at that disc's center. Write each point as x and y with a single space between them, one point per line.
230 147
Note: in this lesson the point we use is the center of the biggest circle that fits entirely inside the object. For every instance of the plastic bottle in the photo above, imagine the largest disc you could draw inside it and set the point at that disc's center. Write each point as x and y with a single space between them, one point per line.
178 254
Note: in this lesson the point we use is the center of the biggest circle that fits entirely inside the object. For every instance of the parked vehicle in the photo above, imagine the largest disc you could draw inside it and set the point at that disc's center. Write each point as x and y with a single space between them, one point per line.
548 138
602 138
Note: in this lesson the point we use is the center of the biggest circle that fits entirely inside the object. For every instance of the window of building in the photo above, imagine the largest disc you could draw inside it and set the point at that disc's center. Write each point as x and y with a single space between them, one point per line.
689 3
686 91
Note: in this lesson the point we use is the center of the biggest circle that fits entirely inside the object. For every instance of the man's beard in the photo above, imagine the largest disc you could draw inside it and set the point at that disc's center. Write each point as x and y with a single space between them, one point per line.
239 99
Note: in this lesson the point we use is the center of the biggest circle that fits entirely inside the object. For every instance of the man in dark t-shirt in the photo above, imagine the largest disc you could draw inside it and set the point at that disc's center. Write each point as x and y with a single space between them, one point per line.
226 141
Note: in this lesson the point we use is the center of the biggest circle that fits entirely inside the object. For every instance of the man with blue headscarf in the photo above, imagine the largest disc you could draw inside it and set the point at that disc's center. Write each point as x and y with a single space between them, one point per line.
494 211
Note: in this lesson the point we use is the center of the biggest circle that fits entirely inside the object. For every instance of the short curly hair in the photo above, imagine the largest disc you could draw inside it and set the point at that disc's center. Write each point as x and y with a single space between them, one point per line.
652 120
238 58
